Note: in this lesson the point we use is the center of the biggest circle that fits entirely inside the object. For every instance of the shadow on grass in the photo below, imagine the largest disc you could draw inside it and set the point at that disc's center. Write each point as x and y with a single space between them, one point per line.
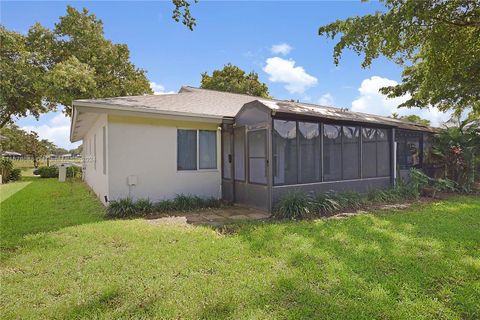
46 205
413 264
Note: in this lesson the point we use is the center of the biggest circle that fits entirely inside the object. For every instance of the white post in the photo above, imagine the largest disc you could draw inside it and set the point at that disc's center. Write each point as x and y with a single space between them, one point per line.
62 173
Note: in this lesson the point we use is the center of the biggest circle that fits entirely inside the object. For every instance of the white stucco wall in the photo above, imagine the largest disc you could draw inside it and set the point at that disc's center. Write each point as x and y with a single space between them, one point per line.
147 149
93 173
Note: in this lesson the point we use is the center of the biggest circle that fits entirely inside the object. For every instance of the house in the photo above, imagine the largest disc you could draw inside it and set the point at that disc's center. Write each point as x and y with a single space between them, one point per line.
244 149
11 154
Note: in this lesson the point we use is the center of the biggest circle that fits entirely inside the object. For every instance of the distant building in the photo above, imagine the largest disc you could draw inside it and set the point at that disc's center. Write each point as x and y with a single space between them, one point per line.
11 154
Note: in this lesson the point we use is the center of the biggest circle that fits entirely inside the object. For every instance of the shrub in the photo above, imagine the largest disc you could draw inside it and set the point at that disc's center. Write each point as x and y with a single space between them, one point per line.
295 205
186 203
445 185
6 167
418 179
349 200
15 175
212 203
52 172
48 172
406 191
325 203
144 207
74 172
164 206
122 208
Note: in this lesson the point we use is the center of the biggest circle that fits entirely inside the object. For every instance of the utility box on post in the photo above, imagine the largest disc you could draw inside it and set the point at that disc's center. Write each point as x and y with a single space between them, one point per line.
62 173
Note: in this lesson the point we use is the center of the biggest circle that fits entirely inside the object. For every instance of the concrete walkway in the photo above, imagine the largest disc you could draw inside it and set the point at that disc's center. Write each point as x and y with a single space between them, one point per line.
214 217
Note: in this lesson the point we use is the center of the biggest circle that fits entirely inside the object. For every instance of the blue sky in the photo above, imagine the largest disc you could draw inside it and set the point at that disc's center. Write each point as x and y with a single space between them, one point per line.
278 40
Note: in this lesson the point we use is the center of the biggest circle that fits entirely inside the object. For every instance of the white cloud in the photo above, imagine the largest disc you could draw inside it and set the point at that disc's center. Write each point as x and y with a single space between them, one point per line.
297 80
372 101
326 100
57 130
282 48
158 88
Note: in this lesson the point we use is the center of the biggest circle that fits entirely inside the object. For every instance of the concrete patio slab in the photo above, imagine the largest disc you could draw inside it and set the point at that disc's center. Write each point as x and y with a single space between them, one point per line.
215 217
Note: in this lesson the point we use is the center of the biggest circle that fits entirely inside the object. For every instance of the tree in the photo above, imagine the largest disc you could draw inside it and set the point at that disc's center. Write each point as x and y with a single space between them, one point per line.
21 76
436 42
412 118
456 149
78 150
182 10
46 68
34 147
12 139
233 79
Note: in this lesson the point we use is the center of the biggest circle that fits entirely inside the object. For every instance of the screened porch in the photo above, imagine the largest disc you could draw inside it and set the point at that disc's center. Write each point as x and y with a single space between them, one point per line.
267 154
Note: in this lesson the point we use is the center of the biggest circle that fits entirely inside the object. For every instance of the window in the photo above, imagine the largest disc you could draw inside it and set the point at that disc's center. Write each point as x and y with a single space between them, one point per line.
187 149
284 152
332 152
309 152
257 156
239 153
351 152
104 149
207 141
189 157
369 152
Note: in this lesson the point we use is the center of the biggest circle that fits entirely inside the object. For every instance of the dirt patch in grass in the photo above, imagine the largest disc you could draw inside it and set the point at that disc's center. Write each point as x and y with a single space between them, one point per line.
172 220
383 207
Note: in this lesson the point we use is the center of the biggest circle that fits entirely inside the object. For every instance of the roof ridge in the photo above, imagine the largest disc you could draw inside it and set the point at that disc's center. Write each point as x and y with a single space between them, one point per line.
257 97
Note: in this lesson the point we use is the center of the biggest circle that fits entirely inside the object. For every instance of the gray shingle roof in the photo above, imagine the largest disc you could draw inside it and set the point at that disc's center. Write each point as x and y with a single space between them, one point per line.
199 102
196 101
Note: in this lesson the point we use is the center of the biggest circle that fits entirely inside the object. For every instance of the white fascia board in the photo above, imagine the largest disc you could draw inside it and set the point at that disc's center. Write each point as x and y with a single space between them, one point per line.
135 112
72 123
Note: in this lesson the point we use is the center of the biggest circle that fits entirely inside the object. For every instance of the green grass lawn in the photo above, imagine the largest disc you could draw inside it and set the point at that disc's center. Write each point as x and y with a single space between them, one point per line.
61 260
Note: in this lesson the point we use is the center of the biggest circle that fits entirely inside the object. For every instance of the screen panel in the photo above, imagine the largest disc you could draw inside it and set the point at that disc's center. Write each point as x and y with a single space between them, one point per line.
332 152
284 152
309 152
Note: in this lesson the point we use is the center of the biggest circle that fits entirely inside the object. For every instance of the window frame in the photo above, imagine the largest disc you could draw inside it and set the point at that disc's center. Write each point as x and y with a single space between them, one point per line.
197 141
